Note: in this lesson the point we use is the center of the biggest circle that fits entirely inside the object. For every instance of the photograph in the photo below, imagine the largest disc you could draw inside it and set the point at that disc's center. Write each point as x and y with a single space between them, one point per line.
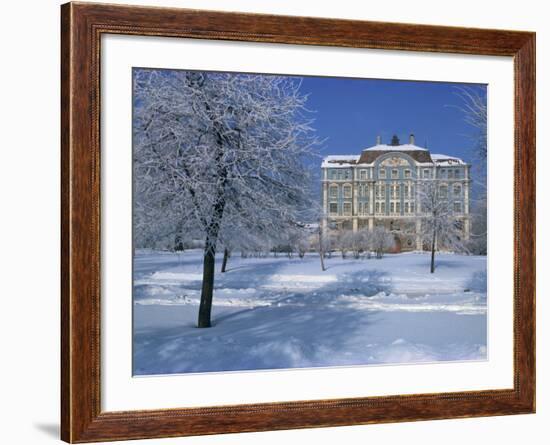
287 221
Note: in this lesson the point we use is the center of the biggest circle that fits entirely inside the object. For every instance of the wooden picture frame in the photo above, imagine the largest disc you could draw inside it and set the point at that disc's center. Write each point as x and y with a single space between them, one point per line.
82 25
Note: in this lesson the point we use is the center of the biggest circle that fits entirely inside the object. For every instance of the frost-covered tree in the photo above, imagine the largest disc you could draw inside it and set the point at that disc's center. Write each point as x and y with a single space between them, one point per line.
364 240
477 245
382 240
219 150
323 245
474 110
345 242
440 227
303 243
357 242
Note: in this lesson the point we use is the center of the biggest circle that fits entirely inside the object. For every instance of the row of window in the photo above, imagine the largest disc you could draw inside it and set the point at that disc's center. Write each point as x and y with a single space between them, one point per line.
340 174
450 173
395 207
346 191
380 208
444 191
395 191
394 173
343 174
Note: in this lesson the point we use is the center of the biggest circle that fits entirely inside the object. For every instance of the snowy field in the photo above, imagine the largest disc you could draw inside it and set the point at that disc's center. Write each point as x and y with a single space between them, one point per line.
271 313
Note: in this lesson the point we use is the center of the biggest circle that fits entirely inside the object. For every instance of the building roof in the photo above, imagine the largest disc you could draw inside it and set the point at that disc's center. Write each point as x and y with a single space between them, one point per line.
369 155
401 147
442 159
336 161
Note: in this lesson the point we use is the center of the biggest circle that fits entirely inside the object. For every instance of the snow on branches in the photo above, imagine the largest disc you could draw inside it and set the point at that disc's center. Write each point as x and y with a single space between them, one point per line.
440 228
219 155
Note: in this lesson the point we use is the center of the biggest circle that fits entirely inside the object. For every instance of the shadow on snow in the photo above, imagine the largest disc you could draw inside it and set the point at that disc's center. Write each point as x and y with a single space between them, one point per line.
297 329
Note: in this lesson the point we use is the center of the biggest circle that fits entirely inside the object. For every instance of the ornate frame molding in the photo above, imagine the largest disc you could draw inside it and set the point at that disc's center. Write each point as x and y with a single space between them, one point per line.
82 25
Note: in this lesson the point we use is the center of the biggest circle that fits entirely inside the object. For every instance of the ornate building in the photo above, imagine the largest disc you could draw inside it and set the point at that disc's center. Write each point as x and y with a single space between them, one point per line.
380 187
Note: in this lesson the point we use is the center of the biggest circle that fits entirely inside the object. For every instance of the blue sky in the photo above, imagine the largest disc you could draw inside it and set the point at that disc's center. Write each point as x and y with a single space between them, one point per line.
350 113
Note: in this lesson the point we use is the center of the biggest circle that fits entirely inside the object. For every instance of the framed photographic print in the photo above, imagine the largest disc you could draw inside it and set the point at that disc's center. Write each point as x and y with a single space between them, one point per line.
275 222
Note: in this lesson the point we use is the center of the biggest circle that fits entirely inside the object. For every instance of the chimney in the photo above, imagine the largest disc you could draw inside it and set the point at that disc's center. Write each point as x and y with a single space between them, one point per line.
378 140
411 139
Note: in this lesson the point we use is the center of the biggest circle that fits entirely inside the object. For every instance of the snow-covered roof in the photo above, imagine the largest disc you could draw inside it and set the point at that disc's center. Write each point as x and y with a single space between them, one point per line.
336 161
442 159
403 147
421 155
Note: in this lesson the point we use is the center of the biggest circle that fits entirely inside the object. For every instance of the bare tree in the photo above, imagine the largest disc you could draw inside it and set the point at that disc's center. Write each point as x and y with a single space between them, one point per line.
440 228
322 246
217 149
365 240
474 110
345 242
358 242
382 241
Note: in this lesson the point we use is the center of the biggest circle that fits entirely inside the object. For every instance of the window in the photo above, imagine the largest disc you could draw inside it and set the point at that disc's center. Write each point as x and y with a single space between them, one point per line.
407 173
333 191
398 207
383 191
457 173
392 191
406 207
347 208
377 207
412 207
383 207
392 207
347 191
406 191
457 190
363 174
382 173
442 191
457 207
426 173
333 208
443 173
394 173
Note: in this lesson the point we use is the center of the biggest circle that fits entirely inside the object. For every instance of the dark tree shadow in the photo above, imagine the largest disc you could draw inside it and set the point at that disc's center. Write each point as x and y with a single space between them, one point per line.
296 328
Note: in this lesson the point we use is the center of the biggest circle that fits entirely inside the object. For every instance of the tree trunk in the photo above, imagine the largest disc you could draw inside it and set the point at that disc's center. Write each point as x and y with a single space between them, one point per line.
432 265
225 258
205 308
321 252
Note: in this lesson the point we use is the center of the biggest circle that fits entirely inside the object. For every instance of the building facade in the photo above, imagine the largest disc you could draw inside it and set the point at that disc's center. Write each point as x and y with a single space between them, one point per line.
380 187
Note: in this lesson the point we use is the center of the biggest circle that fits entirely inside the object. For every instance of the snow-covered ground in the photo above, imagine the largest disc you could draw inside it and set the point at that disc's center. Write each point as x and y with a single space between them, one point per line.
273 313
